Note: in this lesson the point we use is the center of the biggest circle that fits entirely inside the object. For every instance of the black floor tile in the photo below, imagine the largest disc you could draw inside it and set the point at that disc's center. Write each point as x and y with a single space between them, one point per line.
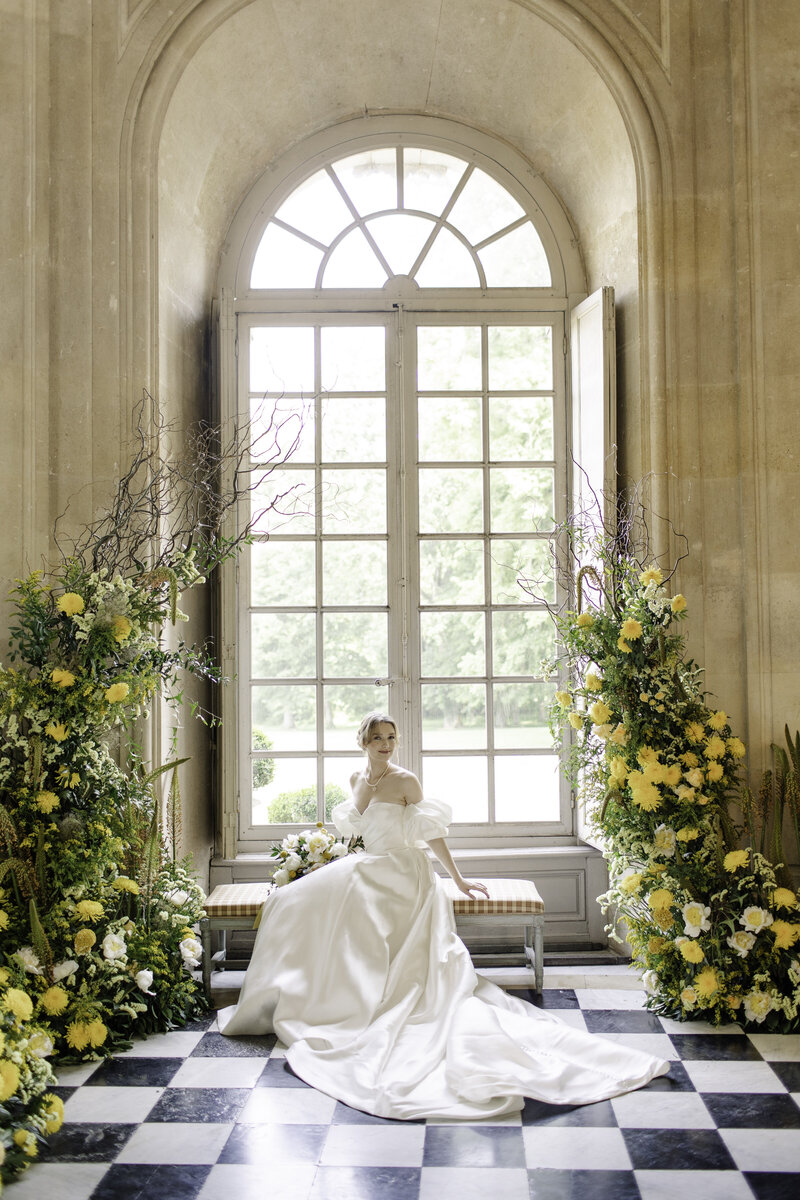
200 1104
473 1146
343 1114
677 1081
752 1111
546 1184
677 1150
732 1047
86 1143
536 1112
216 1045
788 1073
136 1181
134 1072
774 1185
278 1073
551 998
276 1144
366 1183
622 1020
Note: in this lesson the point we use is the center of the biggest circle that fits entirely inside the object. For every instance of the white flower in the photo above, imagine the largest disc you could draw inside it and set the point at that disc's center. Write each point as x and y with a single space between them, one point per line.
41 1045
688 998
293 862
143 981
29 960
291 842
114 946
650 983
178 898
191 951
280 877
695 918
742 942
755 919
64 969
318 845
758 1005
338 850
664 842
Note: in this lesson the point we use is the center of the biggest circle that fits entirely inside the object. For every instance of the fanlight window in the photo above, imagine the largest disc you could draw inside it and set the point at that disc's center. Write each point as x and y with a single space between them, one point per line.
400 211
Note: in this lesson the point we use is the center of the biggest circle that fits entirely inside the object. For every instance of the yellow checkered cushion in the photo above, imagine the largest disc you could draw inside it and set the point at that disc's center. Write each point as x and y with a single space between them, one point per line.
237 899
518 896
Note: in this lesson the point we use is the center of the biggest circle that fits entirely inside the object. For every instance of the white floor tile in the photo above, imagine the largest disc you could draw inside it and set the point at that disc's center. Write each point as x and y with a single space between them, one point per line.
111 1105
67 1181
662 1110
671 1026
218 1073
373 1146
513 1119
570 1016
611 998
278 1051
288 1106
714 1076
178 1044
504 1183
249 1182
76 1075
176 1142
567 1146
657 1044
764 1149
704 1185
777 1047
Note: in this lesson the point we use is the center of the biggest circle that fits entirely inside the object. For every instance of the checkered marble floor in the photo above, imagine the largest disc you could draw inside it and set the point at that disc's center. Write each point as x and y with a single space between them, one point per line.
191 1114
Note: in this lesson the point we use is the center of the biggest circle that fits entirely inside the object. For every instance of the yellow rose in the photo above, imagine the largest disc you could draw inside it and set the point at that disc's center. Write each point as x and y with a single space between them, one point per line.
688 997
631 629
84 940
717 720
54 1000
651 575
121 628
599 712
564 699
576 720
678 604
735 859
784 898
9 1078
593 682
736 747
53 1112
620 736
695 778
117 692
585 620
47 801
19 1003
63 679
691 950
70 604
57 730
785 933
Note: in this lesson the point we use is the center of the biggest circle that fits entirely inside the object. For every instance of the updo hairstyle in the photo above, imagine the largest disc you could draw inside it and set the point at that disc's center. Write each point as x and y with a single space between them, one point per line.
367 726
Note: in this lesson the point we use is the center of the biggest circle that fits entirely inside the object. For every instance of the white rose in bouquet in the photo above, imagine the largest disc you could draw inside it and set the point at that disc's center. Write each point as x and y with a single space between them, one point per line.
144 980
191 951
114 946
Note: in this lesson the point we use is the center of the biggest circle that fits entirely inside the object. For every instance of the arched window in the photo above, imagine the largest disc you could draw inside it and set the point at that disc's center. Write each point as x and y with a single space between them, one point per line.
395 315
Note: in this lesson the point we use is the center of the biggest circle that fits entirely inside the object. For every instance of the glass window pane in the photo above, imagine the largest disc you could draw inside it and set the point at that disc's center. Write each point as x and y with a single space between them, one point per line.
449 429
452 643
400 238
316 208
283 645
354 573
448 263
345 705
281 428
520 715
353 358
429 178
520 356
453 716
354 501
283 260
521 571
526 787
461 782
282 359
353 264
451 572
354 644
353 430
521 499
284 718
520 641
337 784
448 358
284 501
370 179
282 573
520 427
291 796
450 501
516 260
483 207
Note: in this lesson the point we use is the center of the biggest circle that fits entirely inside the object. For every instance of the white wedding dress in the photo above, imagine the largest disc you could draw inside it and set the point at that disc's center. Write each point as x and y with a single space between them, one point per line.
358 970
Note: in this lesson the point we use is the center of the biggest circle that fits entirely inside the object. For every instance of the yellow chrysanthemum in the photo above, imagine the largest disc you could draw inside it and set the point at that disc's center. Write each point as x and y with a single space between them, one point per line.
695 732
663 918
600 712
707 982
63 679
576 720
717 720
678 603
645 795
688 834
784 898
631 629
70 604
89 910
53 1112
691 950
735 859
96 1032
630 883
564 699
618 769
121 628
77 1035
660 898
19 1003
647 754
736 747
123 884
47 801
593 682
54 1000
9 1078
585 620
57 730
714 747
656 944
623 645
689 759
117 692
672 775
651 574
714 772
785 933
26 1142
84 940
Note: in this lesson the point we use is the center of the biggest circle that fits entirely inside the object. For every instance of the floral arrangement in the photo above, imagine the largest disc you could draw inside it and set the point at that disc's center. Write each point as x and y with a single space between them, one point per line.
710 922
301 853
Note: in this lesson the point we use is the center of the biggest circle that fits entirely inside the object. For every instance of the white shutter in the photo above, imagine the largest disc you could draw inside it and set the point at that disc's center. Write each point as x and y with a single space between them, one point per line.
594 415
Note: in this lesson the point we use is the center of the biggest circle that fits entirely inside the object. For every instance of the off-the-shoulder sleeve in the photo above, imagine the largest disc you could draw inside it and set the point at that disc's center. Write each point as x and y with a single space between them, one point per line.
427 820
347 818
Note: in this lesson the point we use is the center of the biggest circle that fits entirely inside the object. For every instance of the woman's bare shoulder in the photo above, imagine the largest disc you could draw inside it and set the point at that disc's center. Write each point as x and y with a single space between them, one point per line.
412 789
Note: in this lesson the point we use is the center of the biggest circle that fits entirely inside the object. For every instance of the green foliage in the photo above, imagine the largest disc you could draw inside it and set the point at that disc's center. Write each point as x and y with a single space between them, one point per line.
295 808
263 768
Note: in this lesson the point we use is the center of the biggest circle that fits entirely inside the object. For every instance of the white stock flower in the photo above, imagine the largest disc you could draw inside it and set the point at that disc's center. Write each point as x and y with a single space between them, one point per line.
30 960
755 919
742 942
650 983
114 946
143 981
64 969
178 897
758 1005
695 918
280 877
191 951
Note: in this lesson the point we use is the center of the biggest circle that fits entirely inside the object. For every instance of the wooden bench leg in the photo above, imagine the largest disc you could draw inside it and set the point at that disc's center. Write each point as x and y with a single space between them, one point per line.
205 941
534 950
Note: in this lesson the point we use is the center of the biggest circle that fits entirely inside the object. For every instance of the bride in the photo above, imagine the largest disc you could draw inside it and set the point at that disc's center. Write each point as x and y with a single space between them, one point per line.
358 970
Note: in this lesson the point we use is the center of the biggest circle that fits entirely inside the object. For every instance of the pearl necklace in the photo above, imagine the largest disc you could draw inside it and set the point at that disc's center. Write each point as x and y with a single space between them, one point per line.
377 781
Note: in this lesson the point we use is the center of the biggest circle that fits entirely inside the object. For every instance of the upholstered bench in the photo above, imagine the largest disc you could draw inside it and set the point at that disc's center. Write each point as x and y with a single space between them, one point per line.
236 906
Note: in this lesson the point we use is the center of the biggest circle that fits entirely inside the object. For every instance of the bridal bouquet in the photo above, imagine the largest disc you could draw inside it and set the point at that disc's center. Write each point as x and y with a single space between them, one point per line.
301 853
